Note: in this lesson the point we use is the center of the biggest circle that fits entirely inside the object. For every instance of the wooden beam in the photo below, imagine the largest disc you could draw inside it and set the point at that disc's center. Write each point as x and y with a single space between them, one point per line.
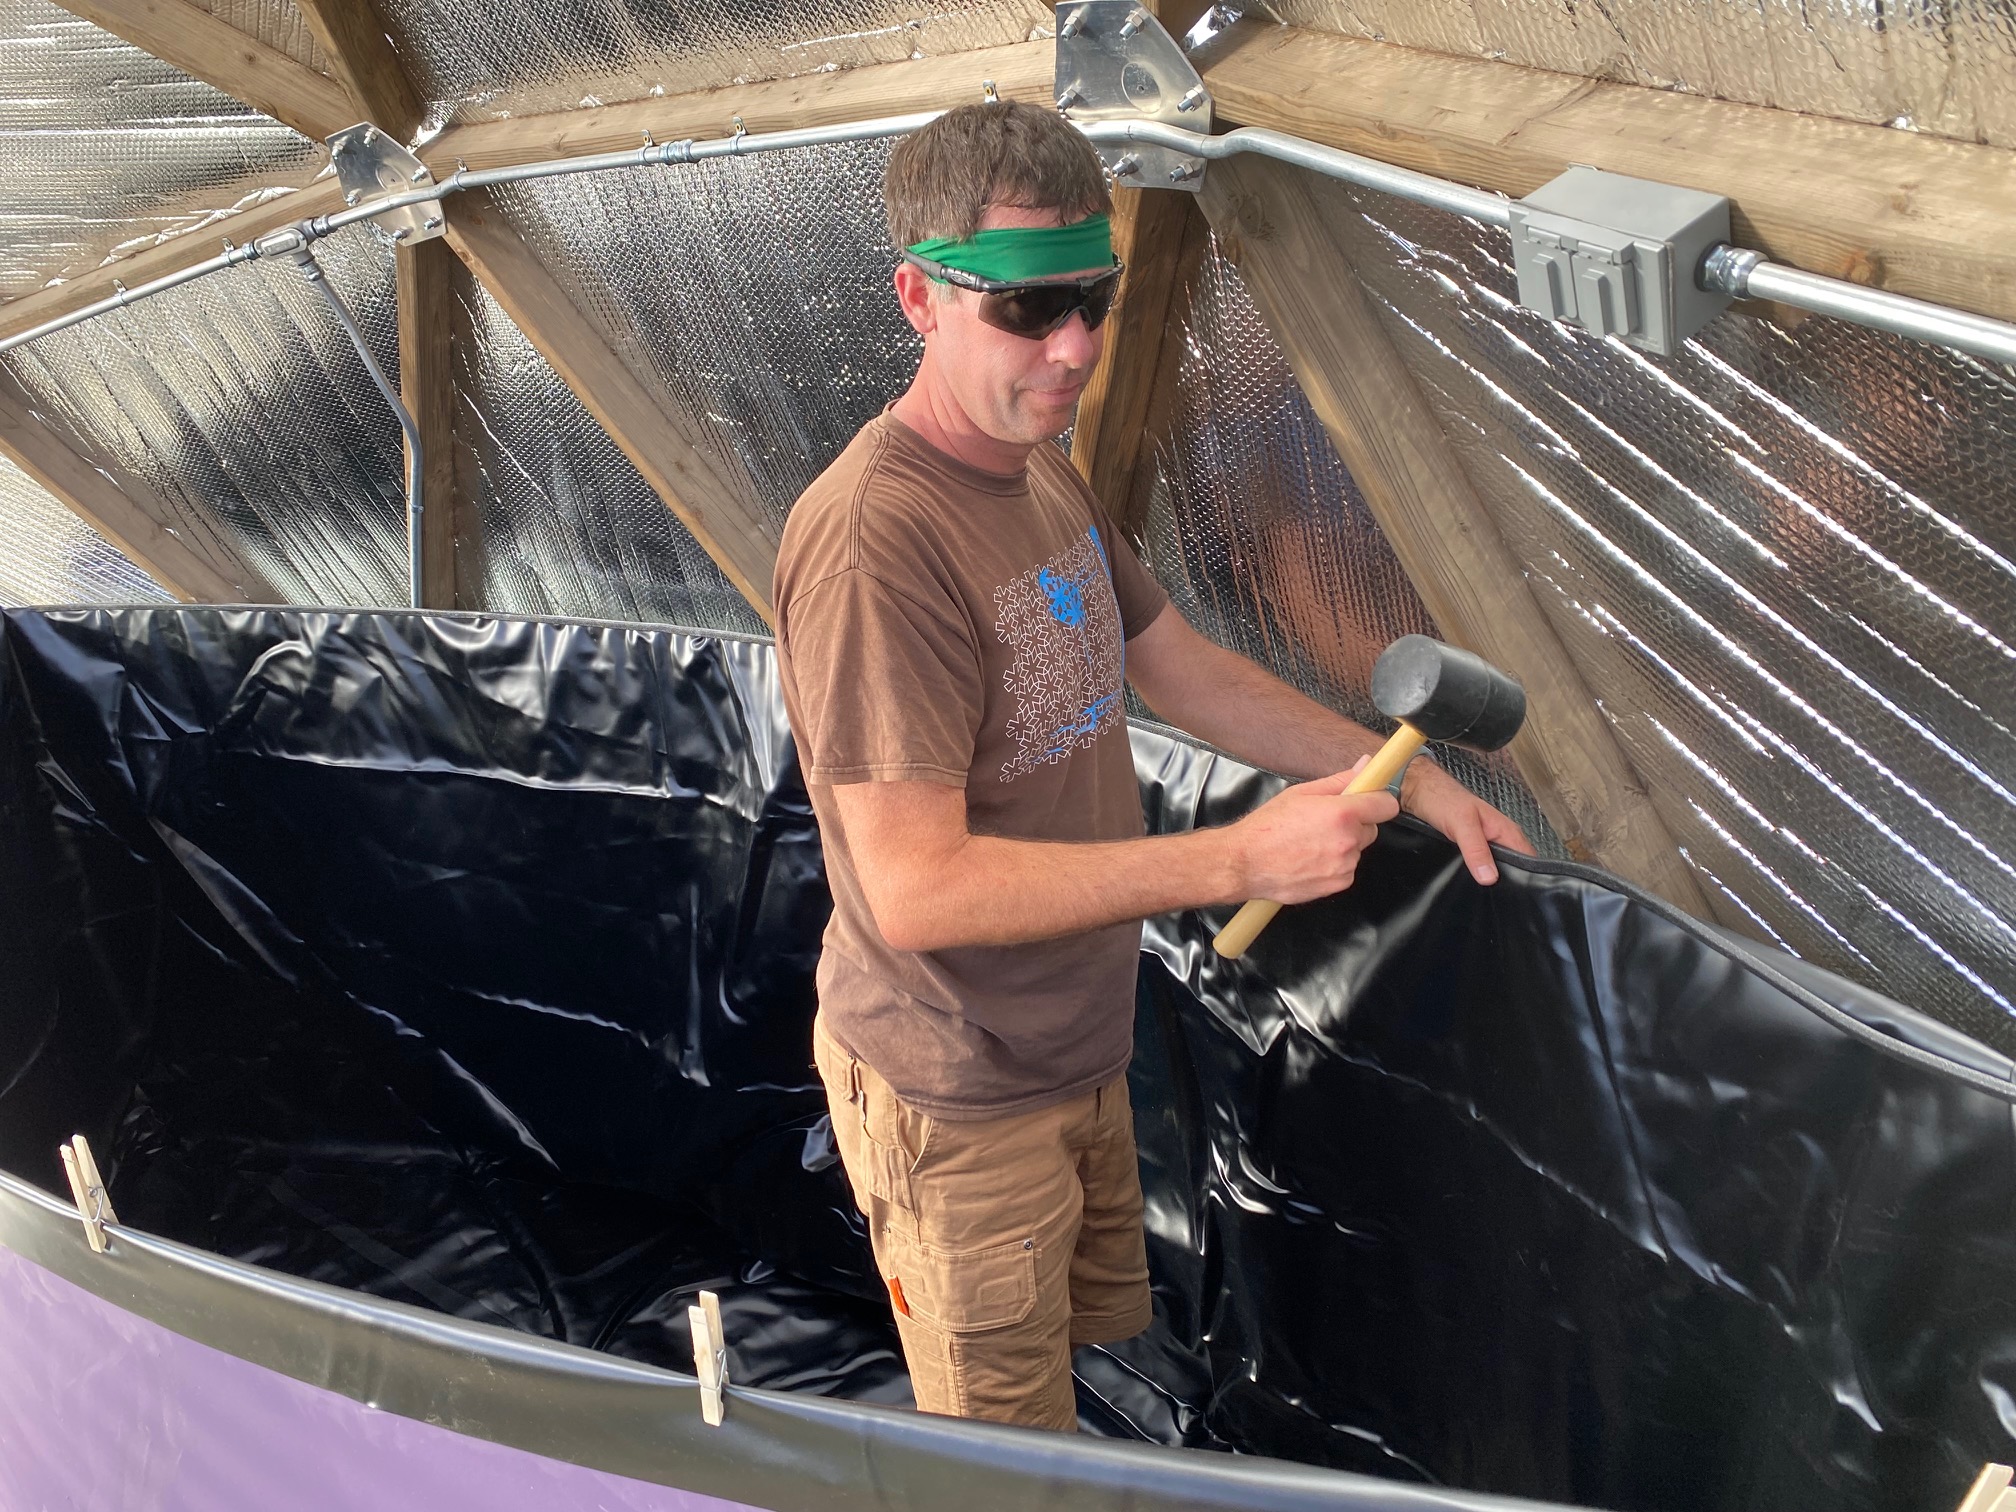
1276 221
353 34
124 510
1110 433
1915 214
211 49
1020 71
719 508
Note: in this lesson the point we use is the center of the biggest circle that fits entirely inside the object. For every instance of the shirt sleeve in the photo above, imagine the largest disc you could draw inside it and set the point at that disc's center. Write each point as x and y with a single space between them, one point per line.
888 689
1141 597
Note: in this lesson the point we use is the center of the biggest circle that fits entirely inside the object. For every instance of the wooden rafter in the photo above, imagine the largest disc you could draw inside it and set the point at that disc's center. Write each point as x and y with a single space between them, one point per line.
171 256
1277 223
718 507
1910 213
211 49
124 510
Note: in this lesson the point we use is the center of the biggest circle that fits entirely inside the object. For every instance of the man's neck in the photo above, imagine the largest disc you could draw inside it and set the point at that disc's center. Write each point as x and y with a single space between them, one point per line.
930 412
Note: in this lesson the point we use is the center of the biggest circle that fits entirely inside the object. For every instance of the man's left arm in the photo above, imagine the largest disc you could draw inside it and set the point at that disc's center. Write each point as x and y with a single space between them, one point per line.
1221 697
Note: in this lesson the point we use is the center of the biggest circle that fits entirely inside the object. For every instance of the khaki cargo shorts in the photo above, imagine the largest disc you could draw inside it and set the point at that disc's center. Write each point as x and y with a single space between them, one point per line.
1004 1242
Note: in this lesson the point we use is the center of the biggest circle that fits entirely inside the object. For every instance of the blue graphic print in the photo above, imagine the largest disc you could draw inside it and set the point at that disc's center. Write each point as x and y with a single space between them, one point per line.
1063 623
1067 604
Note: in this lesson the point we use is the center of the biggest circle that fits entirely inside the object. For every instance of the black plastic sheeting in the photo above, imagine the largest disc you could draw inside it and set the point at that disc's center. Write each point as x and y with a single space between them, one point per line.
467 962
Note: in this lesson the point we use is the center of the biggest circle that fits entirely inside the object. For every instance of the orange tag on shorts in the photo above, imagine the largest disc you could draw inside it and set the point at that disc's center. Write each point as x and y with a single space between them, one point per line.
896 1296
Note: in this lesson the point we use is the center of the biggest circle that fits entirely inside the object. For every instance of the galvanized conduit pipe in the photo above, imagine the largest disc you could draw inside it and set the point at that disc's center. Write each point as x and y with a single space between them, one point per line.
1726 270
415 505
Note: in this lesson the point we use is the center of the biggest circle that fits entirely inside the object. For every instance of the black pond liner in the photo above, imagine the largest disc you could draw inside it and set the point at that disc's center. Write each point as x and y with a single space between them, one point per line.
467 962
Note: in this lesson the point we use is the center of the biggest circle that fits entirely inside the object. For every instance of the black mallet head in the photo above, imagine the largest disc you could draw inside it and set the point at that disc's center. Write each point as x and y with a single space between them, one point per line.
1447 694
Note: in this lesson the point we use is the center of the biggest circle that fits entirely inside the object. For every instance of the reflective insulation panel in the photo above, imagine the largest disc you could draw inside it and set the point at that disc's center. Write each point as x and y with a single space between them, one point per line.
1941 66
568 525
241 401
755 290
50 556
1785 558
1266 544
479 60
110 150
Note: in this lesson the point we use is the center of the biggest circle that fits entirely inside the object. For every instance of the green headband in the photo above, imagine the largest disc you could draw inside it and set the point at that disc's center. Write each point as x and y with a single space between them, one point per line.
1018 254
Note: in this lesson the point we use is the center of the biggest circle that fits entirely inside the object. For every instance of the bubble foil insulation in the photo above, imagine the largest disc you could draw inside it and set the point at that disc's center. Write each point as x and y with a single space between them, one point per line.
755 291
479 60
110 150
1265 543
1785 558
568 525
50 556
1941 66
241 402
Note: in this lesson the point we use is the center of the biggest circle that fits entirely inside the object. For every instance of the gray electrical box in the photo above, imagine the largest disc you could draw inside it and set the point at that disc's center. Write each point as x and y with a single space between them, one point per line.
1618 256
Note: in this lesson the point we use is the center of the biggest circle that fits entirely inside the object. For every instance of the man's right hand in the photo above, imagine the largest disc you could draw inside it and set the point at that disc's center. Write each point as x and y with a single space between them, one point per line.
1304 842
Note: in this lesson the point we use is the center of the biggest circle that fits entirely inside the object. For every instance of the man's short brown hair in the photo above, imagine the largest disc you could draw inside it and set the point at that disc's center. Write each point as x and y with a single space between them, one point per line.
942 179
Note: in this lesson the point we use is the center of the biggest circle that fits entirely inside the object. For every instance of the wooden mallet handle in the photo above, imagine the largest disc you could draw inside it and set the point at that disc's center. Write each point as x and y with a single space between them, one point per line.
1390 761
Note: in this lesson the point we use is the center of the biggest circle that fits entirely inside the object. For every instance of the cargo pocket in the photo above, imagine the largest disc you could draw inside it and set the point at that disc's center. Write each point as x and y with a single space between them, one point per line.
894 1140
971 1290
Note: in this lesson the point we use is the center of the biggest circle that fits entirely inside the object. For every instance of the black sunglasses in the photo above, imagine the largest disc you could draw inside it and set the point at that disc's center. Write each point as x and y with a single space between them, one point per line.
1033 309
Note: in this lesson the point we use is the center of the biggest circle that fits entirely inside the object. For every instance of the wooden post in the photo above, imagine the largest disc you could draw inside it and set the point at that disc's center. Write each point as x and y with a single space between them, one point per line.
427 384
1149 229
1134 486
1271 219
353 34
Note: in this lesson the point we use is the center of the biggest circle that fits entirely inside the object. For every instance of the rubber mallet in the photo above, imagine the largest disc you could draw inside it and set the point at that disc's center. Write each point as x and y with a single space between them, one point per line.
1437 693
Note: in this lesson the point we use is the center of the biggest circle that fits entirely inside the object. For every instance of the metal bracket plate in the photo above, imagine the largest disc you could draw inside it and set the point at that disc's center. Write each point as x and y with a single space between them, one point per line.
371 165
1115 62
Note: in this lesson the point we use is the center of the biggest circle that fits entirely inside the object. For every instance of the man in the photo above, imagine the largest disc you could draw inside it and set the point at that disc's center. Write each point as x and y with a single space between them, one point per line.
955 617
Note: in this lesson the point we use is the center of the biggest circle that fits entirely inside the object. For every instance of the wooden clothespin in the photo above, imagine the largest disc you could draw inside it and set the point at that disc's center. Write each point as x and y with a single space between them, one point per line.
710 1355
94 1203
1991 1491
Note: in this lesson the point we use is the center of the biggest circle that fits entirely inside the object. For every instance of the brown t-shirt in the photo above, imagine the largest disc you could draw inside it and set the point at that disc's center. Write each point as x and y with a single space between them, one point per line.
938 623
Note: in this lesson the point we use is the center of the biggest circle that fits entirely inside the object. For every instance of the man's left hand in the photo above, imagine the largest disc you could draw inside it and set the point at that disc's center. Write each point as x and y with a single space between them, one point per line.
1436 798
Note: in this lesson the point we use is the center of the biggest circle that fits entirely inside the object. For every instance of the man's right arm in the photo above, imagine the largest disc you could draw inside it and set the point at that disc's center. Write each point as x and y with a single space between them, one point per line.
934 885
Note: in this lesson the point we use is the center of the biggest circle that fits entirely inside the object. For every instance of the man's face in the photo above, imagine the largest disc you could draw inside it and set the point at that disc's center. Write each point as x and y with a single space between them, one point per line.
1013 389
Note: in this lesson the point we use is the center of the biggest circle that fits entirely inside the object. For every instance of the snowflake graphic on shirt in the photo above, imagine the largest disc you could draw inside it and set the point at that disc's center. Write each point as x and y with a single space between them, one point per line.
1062 623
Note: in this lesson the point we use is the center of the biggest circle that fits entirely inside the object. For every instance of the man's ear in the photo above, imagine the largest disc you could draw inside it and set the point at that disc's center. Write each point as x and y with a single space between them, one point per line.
914 292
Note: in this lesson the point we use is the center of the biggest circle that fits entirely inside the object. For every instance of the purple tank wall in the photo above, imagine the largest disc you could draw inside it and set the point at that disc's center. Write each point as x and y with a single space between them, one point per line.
103 1411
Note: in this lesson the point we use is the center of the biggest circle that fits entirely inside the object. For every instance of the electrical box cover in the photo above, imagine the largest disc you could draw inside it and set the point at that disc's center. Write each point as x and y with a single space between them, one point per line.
1619 256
